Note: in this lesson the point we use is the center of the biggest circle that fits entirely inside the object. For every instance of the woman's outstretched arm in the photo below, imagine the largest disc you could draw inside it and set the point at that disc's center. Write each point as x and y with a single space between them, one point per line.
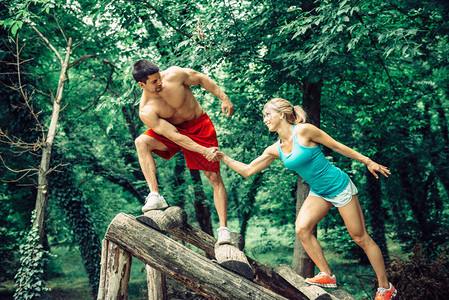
319 136
257 165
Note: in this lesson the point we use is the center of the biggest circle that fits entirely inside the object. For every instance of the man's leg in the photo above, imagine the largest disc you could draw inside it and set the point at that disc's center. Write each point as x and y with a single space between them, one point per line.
221 205
145 146
220 196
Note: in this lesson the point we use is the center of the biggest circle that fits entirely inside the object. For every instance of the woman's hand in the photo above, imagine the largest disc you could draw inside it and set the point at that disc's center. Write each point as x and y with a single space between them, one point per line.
374 167
211 154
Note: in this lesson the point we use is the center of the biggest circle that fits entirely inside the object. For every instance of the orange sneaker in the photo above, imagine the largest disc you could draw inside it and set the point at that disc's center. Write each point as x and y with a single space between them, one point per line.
384 294
323 280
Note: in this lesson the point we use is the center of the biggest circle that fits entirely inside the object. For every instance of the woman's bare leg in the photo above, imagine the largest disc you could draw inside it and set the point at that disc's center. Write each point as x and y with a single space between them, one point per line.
355 223
312 211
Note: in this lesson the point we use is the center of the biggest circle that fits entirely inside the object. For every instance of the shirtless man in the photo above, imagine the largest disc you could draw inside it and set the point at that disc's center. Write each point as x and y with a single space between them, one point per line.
178 122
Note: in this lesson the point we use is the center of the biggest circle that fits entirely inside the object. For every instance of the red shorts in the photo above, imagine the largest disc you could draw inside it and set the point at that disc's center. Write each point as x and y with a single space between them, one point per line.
201 131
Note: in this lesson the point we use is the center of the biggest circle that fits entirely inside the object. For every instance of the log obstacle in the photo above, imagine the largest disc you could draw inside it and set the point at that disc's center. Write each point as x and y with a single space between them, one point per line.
228 256
180 263
129 236
311 291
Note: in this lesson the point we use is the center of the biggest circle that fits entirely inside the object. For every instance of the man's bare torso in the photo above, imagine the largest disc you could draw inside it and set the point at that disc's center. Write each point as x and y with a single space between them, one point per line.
174 102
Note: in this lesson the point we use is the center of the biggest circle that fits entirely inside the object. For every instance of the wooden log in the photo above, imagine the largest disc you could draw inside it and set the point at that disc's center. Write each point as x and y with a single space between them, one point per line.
172 217
156 283
342 294
264 275
312 291
115 271
104 257
234 260
182 264
158 220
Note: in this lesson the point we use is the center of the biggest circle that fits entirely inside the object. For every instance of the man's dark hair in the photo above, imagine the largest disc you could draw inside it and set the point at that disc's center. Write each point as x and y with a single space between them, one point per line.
143 68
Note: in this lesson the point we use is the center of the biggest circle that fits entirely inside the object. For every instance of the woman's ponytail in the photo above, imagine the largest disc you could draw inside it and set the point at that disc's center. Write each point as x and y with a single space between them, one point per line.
293 114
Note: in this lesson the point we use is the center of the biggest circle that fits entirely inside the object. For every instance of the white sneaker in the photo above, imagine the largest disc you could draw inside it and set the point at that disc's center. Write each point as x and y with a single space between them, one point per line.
154 201
224 236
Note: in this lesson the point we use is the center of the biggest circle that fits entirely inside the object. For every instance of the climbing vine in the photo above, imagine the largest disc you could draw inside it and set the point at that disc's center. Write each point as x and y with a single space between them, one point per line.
30 279
71 201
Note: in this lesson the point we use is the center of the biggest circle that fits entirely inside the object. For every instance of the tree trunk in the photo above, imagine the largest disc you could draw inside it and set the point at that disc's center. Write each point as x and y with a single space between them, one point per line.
251 196
42 192
311 101
416 198
202 210
439 154
302 264
178 184
376 213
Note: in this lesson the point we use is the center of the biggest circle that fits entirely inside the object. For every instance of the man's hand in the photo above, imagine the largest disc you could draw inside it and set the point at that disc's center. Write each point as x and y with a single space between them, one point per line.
227 105
211 154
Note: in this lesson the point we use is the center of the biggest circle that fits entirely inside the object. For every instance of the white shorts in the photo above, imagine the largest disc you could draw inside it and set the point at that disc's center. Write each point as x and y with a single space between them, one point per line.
343 198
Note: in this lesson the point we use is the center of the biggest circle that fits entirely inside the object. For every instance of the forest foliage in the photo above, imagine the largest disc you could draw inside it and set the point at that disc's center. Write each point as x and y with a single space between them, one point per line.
375 72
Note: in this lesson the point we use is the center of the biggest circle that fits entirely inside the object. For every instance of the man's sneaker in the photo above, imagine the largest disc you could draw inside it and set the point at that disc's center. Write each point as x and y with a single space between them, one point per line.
323 280
154 201
384 294
224 236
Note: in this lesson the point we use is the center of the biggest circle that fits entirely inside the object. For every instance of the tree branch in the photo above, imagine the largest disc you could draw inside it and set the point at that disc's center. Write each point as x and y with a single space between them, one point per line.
46 41
373 42
80 60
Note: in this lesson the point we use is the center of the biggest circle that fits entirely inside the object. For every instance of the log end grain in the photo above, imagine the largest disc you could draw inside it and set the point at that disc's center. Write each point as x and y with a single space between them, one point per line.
233 259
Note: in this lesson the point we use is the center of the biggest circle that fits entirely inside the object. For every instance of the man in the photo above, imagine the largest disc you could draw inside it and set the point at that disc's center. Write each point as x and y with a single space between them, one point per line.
178 122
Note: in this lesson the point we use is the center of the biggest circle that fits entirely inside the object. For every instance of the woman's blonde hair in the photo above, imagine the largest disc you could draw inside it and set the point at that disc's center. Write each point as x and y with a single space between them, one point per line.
293 114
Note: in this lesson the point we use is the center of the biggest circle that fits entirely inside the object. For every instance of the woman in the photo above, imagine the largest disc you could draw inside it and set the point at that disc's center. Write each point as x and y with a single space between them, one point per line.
298 147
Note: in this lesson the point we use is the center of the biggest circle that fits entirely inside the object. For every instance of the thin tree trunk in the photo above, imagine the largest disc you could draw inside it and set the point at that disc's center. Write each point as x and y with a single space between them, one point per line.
251 195
42 192
416 198
376 213
178 184
202 210
302 264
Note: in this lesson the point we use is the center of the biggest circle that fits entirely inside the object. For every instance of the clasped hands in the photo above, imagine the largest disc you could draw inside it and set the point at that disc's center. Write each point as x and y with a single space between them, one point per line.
212 154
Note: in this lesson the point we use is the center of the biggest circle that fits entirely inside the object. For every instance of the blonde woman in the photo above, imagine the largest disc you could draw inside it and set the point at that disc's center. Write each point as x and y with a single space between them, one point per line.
298 147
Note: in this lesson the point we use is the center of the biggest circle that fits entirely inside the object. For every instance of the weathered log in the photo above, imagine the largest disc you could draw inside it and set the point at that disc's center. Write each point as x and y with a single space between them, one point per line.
182 264
170 218
159 220
233 259
264 275
312 291
115 271
342 294
156 283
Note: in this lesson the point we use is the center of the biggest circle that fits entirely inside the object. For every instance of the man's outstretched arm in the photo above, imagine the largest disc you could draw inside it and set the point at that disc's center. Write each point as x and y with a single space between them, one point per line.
193 78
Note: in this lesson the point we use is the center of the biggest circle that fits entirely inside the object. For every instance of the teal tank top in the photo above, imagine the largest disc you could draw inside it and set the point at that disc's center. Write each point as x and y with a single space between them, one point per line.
310 163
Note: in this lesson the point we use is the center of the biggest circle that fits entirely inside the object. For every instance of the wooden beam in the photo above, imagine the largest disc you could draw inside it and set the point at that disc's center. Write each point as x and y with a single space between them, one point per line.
182 264
312 291
156 283
115 271
265 275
